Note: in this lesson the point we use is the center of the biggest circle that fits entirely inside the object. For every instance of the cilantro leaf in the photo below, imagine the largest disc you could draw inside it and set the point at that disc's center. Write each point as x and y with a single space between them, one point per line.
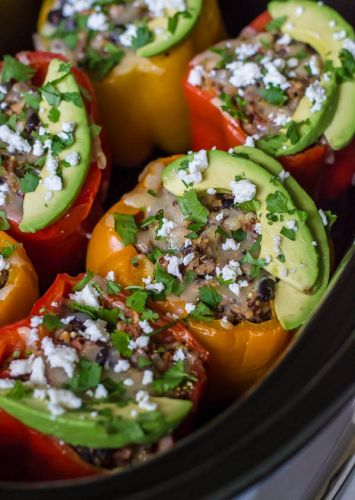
29 182
143 37
8 250
292 132
51 322
126 228
14 70
83 282
73 97
288 233
87 378
275 24
98 65
18 391
273 95
277 202
249 259
202 312
4 223
120 341
171 379
112 287
51 94
95 130
192 208
209 296
33 100
239 235
54 114
137 300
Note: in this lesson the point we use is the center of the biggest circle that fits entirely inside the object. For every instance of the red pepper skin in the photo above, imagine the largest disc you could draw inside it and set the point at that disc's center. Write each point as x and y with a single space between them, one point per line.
33 456
210 126
338 176
62 245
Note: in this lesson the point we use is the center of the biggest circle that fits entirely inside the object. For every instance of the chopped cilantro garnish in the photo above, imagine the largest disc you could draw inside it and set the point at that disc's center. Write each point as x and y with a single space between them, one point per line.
275 24
209 296
171 379
54 114
83 282
14 70
137 300
8 250
192 208
288 233
87 378
273 95
51 322
249 206
143 36
239 235
112 287
18 391
29 182
120 341
126 228
202 312
173 20
32 99
4 223
292 132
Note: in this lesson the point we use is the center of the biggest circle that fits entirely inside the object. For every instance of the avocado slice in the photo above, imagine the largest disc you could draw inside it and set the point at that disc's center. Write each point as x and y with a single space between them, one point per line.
185 21
312 27
292 307
37 212
80 428
301 268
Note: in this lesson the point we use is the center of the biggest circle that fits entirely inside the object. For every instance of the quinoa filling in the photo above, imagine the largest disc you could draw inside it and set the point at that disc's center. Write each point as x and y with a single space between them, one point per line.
260 79
97 35
97 349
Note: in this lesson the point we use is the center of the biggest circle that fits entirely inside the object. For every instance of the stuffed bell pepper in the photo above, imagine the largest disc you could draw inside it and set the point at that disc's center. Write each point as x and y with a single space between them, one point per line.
18 281
285 84
136 53
231 243
93 381
51 161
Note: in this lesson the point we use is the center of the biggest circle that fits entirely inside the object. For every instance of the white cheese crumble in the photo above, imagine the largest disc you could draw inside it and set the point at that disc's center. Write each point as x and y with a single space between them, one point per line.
173 265
316 94
244 74
189 307
60 356
246 50
279 119
219 216
291 224
121 366
277 244
97 21
299 11
95 330
88 296
339 35
100 392
284 40
243 190
147 377
36 321
4 265
37 149
60 400
72 158
15 143
211 191
230 271
314 243
313 65
323 217
292 62
53 183
145 326
230 244
332 24
142 398
128 382
179 355
195 76
349 45
188 258
257 228
274 77
249 142
166 228
19 367
139 343
38 376
159 7
234 288
127 36
196 165
110 276
283 175
6 383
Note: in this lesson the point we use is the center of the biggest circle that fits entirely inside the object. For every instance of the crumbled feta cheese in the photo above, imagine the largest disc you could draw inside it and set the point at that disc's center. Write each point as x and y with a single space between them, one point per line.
291 224
166 228
314 243
277 244
88 296
243 283
289 26
145 326
279 119
195 76
317 95
67 320
156 287
273 77
243 190
189 307
100 392
179 355
234 288
147 377
219 216
230 271
37 149
60 400
349 45
36 321
332 24
142 398
323 217
127 36
196 165
60 356
95 330
97 21
230 244
292 62
284 40
73 159
211 191
121 366
111 276
313 65
257 228
173 265
159 8
128 382
283 272
48 196
53 183
41 131
279 63
15 143
246 50
339 35
3 89
4 265
51 164
244 74
188 258
38 376
6 383
139 343
283 175
299 11
19 367
249 142
187 243
68 127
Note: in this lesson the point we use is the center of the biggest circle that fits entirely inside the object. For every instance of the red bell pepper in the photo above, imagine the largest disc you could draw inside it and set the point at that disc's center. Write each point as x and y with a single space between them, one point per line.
33 456
210 126
62 245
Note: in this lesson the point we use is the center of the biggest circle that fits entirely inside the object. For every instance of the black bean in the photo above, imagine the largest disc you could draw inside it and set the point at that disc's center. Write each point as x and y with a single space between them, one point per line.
101 357
32 122
55 16
4 276
266 289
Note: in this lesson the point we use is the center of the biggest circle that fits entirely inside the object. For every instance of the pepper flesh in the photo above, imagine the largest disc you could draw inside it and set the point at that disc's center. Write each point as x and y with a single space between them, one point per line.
141 101
210 127
21 289
239 356
34 456
61 246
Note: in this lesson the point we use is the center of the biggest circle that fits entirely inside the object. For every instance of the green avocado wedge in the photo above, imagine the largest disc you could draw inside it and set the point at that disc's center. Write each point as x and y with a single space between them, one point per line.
300 269
325 30
38 211
171 29
292 307
106 425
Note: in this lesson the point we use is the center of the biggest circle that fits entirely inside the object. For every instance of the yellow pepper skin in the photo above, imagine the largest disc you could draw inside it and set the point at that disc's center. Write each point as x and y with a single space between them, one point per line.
141 101
239 355
21 289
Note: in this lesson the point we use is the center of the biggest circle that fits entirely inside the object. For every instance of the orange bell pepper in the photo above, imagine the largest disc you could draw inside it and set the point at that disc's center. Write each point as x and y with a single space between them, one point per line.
20 291
141 100
239 356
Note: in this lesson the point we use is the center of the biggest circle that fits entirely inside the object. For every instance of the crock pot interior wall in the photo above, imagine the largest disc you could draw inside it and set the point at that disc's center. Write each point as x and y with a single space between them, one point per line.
254 435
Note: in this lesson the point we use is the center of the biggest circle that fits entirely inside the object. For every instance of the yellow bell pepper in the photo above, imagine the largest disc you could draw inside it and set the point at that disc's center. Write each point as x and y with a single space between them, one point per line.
239 355
141 100
20 291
